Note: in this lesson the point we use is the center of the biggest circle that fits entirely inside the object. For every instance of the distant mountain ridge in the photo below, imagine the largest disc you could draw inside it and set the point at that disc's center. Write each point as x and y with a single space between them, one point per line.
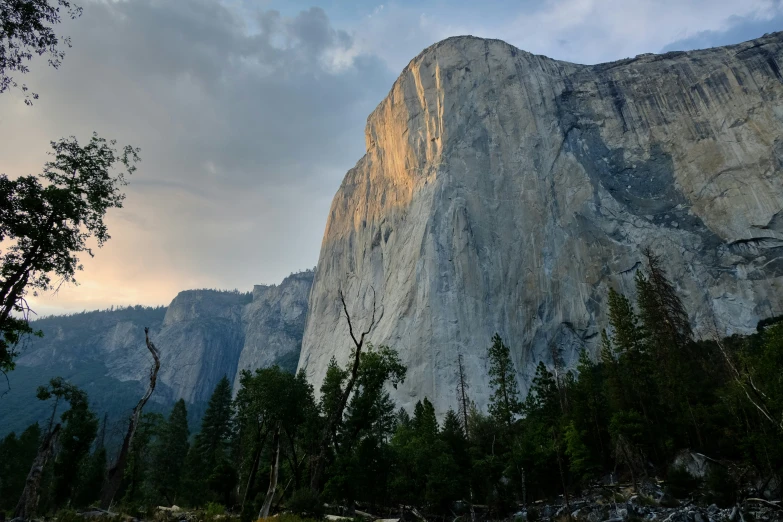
202 336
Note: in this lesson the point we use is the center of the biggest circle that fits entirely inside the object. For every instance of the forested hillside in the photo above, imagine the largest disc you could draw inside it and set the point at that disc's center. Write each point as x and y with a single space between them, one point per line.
629 414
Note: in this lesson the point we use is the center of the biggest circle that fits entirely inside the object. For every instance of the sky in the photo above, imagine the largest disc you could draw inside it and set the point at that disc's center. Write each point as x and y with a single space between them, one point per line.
249 113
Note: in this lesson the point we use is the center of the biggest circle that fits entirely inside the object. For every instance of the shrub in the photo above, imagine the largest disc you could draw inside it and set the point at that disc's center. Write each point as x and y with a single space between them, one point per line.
306 502
680 483
720 486
213 509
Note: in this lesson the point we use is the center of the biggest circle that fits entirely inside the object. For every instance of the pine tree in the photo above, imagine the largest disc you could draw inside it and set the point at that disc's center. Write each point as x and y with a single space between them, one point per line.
332 388
209 471
425 423
212 440
626 334
76 438
662 310
504 402
16 454
453 436
669 340
170 453
91 479
629 367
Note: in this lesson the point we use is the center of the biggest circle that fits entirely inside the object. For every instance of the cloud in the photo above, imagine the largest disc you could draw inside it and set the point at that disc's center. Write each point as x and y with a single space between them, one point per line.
582 31
246 125
738 29
248 118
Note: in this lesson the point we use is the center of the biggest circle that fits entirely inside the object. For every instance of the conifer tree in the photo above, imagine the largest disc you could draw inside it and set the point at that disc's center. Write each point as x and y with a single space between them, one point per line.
209 467
668 339
663 313
170 453
629 366
331 391
76 438
626 334
504 402
91 479
453 436
16 454
212 441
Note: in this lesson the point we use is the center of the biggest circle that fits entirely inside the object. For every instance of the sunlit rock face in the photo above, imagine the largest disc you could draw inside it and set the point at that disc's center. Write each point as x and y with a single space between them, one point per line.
507 192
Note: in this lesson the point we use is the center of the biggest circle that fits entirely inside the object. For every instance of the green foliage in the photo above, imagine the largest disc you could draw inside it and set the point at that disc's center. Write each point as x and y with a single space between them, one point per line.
76 438
213 509
169 454
46 222
361 465
680 483
135 489
651 393
27 29
268 400
721 488
504 402
305 502
210 475
16 455
581 461
91 478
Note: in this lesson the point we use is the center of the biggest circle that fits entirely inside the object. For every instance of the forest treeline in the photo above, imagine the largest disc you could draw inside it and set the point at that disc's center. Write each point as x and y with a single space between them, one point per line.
652 391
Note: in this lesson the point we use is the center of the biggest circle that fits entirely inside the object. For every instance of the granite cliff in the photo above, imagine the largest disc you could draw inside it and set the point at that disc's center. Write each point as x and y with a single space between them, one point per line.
202 336
506 192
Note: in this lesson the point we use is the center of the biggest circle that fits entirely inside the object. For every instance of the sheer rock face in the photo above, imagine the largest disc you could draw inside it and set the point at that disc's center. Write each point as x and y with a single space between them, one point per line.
208 334
274 324
204 335
506 192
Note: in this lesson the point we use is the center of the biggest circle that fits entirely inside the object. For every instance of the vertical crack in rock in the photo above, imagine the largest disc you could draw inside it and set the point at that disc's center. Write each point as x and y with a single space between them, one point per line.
520 189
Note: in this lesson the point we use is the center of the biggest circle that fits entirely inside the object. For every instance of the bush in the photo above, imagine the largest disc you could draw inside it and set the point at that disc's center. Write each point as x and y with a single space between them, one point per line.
720 486
306 502
213 509
68 515
680 483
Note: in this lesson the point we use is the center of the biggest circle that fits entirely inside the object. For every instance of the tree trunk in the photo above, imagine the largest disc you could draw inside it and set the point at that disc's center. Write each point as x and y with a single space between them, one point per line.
28 502
463 395
251 480
270 492
114 478
334 420
562 474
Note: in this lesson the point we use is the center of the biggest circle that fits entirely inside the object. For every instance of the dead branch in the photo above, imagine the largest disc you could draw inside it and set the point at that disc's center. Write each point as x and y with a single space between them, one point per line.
762 408
765 502
114 478
273 475
28 503
337 415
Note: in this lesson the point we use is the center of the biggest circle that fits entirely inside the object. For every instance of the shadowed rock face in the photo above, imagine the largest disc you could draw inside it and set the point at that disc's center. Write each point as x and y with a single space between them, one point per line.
506 192
204 335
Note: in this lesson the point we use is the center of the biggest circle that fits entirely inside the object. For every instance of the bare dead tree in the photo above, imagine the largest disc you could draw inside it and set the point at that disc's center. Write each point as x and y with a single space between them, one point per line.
102 439
463 402
273 474
337 415
28 502
462 395
755 395
114 478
